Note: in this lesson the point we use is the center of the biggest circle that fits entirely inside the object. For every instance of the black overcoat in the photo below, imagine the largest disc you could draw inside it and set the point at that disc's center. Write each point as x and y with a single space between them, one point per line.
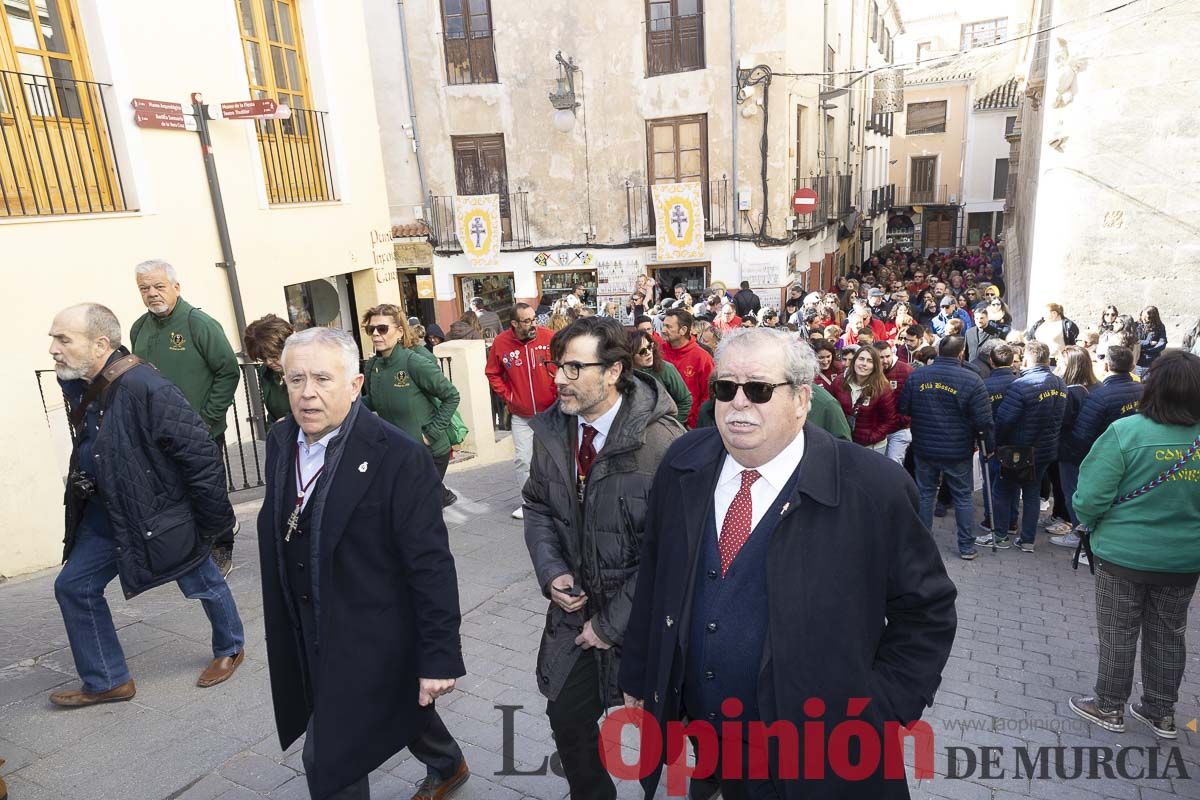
388 611
860 603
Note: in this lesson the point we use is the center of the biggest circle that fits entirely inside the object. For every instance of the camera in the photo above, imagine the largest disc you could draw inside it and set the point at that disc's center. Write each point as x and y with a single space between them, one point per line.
82 485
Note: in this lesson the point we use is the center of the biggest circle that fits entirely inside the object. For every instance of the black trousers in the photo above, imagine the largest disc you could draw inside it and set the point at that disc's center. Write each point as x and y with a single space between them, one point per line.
574 720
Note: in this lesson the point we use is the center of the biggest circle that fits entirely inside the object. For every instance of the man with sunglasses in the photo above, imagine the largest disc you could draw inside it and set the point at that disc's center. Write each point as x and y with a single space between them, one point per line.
683 352
516 373
594 454
767 581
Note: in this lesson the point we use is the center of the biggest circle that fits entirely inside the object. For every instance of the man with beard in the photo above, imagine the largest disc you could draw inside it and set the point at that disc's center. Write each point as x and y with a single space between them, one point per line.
686 355
752 601
594 454
517 373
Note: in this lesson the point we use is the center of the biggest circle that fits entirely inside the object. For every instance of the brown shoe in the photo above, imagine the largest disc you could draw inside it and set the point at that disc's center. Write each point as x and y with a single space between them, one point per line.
220 670
3 785
76 698
433 789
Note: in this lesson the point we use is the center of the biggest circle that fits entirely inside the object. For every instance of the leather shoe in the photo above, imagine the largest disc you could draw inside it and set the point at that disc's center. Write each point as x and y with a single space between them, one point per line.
76 698
220 670
433 789
3 785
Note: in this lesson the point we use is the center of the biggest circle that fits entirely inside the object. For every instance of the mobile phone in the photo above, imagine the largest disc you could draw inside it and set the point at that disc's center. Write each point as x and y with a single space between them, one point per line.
570 591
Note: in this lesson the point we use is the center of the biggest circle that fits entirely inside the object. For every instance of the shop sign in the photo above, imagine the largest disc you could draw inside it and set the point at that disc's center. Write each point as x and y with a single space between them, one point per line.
565 259
425 289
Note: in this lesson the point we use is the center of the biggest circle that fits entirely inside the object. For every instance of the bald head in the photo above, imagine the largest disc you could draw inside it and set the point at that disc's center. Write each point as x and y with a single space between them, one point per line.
82 337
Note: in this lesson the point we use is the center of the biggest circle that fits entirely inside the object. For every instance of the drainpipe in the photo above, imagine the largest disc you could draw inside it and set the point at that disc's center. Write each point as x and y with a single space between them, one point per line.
733 111
412 108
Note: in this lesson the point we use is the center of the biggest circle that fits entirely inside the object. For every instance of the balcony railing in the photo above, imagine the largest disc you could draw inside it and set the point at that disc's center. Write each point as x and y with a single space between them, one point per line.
640 210
923 195
56 147
845 194
816 219
514 222
296 160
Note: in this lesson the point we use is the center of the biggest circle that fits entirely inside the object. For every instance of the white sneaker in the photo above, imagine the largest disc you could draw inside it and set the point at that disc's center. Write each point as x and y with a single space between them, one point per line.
1066 540
1058 527
519 513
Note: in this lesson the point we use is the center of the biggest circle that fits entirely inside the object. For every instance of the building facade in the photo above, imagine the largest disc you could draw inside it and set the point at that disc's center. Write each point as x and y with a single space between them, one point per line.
92 186
985 170
741 98
1102 195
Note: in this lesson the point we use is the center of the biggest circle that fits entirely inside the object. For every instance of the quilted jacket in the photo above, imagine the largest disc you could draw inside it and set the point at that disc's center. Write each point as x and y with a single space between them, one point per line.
1031 413
949 408
159 475
1117 397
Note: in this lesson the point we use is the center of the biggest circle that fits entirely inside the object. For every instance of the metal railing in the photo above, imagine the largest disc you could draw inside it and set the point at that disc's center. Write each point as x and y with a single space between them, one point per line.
822 185
639 210
296 161
514 222
923 195
56 147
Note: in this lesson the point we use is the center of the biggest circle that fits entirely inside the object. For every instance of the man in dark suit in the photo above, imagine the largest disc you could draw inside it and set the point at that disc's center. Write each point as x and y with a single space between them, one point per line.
360 596
768 579
746 302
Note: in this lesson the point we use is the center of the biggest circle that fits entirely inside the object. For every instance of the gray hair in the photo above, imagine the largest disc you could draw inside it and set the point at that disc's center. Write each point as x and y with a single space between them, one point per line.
328 337
154 265
799 360
99 321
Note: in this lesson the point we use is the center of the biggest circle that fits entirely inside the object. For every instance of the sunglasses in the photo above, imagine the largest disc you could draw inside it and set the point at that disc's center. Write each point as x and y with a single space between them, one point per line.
380 329
645 351
757 392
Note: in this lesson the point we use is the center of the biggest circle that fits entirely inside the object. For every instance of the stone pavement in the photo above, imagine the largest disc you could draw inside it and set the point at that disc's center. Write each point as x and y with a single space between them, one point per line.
1026 640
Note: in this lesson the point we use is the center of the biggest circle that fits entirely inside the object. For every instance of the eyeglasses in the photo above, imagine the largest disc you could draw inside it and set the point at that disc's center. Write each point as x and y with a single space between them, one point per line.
757 392
645 351
520 321
380 329
571 368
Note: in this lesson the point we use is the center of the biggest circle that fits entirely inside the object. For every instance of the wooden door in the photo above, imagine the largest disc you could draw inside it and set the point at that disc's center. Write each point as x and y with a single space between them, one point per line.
923 172
480 167
939 230
677 153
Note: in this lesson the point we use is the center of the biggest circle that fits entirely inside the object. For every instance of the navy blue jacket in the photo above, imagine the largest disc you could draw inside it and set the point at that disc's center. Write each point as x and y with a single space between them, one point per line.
950 411
828 559
1153 341
997 383
1031 413
1068 452
1117 397
158 474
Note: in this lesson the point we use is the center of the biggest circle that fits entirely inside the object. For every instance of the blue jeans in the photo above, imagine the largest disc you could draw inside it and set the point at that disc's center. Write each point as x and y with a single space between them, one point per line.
989 492
1068 475
1008 491
79 590
961 485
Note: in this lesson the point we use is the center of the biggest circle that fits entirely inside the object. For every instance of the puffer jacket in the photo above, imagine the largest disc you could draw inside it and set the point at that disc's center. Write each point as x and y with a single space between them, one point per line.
1117 397
1068 453
158 473
997 384
874 419
599 543
949 408
1031 413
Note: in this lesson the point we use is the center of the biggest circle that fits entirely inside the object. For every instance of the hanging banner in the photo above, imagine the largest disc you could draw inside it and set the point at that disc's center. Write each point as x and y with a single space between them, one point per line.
477 224
679 214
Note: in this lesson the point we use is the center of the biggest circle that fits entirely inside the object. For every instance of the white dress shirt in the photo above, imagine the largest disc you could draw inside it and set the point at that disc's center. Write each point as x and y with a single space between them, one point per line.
311 457
773 476
603 425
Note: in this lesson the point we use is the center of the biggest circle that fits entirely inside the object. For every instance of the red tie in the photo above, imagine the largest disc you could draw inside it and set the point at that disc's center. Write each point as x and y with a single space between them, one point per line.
587 451
735 530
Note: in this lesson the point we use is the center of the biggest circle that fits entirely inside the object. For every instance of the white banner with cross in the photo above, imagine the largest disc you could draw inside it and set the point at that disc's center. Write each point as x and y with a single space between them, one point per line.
477 224
679 214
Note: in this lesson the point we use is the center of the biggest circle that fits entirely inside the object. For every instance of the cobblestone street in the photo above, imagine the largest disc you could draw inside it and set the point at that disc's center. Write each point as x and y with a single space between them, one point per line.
1026 641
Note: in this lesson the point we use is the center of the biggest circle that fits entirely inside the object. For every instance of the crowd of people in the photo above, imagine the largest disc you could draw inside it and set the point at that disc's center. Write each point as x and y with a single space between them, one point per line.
911 363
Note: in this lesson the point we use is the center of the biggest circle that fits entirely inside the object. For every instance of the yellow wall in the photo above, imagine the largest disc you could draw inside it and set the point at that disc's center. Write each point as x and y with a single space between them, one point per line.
948 146
164 51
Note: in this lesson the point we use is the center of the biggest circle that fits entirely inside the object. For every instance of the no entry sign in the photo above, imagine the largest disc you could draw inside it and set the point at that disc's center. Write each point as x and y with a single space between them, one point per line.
804 201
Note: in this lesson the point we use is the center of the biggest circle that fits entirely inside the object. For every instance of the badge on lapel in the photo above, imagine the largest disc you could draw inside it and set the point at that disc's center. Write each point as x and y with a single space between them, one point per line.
362 467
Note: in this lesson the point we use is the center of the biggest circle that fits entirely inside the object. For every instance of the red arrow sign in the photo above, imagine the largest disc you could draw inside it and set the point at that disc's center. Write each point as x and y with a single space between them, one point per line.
804 200
249 109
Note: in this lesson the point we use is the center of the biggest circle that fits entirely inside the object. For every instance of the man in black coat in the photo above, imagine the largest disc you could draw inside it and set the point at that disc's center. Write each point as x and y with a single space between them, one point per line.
145 498
746 302
360 596
767 582
594 455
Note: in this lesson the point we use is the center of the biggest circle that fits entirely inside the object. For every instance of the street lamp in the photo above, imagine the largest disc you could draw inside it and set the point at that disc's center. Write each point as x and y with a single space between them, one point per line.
563 97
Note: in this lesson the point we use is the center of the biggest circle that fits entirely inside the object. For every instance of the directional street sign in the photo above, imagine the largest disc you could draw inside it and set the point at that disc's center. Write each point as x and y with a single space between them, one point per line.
249 109
160 114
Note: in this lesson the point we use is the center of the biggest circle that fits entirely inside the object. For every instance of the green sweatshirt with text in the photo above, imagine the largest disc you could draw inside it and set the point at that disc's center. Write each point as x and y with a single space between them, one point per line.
190 349
409 390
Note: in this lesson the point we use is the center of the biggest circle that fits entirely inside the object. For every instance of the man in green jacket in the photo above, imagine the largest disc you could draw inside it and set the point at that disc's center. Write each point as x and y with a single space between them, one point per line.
190 349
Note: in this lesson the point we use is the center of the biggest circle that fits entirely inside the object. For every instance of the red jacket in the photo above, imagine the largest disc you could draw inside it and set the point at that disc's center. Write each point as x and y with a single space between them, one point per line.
514 369
897 375
695 365
876 418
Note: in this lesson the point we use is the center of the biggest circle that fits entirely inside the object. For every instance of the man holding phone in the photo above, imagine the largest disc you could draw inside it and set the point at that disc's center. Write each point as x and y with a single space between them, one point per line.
595 452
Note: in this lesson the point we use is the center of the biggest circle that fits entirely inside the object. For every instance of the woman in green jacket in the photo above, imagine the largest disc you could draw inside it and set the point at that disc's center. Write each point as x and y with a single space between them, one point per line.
1146 549
649 361
407 388
264 340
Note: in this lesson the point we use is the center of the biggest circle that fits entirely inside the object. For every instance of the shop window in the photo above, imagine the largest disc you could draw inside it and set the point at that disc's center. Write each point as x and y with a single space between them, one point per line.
978 224
553 285
322 303
497 291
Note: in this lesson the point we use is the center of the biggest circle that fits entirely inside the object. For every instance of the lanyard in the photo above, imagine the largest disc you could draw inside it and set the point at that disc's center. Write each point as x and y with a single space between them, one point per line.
301 488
